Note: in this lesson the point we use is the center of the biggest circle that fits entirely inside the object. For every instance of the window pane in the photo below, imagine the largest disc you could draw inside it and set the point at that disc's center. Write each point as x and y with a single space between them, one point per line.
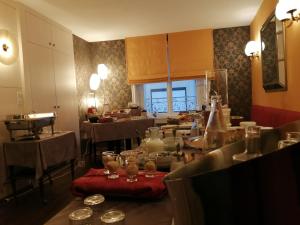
184 95
156 97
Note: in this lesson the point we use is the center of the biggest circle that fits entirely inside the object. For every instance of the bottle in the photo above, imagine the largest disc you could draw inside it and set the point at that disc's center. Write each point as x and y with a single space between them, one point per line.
154 143
195 128
215 131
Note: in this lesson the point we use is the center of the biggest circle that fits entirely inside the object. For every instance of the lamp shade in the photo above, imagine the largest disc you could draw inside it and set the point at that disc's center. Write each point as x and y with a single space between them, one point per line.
94 82
252 48
102 71
284 6
8 48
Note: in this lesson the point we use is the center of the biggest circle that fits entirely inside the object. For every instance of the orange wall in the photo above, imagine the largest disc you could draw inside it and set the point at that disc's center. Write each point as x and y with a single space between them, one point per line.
290 99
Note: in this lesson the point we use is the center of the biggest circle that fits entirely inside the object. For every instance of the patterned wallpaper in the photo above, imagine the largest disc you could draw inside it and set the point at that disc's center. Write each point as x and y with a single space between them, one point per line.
115 90
87 57
83 70
229 45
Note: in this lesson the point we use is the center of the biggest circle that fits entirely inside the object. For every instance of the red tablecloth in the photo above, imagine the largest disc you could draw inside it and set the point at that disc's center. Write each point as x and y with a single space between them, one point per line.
95 182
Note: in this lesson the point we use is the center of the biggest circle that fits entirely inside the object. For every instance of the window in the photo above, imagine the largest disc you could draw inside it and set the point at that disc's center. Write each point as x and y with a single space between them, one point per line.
159 100
183 97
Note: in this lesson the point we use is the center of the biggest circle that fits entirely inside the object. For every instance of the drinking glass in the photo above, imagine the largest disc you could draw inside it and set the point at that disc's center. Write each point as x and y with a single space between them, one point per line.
128 156
132 171
150 166
113 165
106 157
295 136
253 134
253 144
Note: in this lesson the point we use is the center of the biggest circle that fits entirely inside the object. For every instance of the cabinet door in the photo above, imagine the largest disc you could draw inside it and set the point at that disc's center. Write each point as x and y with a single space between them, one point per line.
38 30
67 112
41 77
62 39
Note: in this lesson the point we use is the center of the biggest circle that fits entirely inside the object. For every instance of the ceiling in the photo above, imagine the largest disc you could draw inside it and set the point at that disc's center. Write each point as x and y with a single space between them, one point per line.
101 20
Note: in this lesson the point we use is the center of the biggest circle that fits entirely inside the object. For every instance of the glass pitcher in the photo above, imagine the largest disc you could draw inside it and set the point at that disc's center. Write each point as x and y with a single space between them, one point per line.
215 131
154 143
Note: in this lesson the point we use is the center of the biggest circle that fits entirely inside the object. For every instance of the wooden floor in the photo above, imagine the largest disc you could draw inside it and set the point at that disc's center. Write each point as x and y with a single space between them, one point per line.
28 209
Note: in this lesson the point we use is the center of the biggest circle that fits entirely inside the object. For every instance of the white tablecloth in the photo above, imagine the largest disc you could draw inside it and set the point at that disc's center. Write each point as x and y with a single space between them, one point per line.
40 154
99 132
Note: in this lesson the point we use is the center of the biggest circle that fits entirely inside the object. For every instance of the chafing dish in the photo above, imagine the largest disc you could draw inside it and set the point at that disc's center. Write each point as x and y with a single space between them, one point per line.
33 123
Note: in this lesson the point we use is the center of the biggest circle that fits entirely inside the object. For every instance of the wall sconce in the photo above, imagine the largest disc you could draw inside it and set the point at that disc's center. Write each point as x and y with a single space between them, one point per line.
252 49
94 81
94 85
288 10
102 71
8 48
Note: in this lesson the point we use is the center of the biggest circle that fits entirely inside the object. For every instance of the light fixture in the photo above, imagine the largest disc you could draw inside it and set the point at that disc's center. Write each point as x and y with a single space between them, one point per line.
288 10
8 48
252 49
94 81
102 71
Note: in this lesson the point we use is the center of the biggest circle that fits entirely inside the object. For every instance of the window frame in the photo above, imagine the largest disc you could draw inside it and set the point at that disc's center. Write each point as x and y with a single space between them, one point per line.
138 95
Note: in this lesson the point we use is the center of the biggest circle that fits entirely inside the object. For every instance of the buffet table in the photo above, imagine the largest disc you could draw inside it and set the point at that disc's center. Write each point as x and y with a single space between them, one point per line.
122 129
40 155
116 131
136 212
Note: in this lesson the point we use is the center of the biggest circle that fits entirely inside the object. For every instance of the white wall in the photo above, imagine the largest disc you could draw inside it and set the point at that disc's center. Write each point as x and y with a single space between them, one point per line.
10 82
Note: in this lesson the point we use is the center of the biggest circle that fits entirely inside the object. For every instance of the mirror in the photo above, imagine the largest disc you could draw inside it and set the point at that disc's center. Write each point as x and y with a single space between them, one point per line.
273 55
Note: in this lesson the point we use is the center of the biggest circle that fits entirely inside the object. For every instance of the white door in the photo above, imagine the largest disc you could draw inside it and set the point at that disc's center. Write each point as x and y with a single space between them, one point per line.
41 75
38 30
63 40
66 95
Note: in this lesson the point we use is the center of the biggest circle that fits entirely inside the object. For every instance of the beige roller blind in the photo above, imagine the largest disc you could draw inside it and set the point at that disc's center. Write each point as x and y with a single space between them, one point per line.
146 59
191 53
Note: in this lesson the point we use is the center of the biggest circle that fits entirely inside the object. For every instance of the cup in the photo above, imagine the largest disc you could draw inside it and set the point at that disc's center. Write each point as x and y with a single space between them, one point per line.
132 171
112 166
285 143
106 157
253 145
295 136
150 166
